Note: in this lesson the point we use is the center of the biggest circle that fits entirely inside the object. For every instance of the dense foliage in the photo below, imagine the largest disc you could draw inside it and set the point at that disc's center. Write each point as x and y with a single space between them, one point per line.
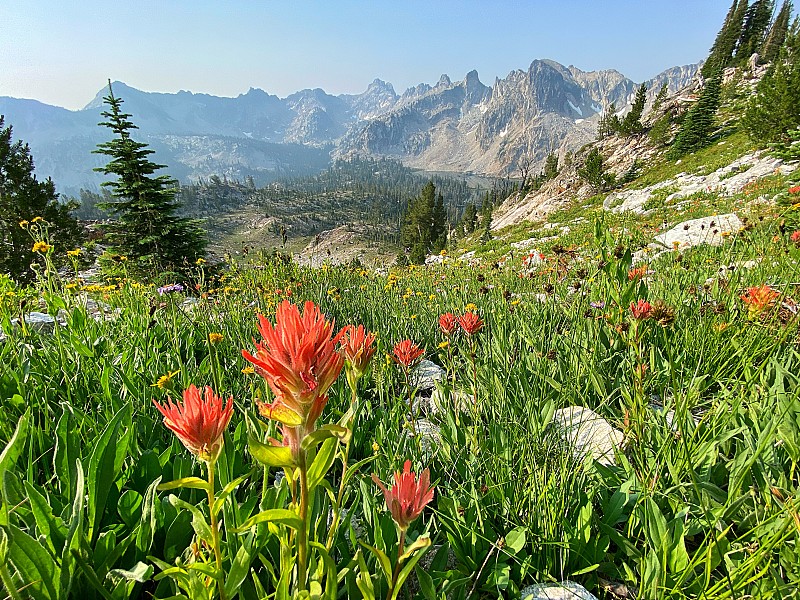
24 200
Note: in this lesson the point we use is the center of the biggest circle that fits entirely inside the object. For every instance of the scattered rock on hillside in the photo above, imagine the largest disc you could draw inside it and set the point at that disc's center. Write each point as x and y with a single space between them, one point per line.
565 590
688 234
588 433
706 230
728 180
39 322
426 374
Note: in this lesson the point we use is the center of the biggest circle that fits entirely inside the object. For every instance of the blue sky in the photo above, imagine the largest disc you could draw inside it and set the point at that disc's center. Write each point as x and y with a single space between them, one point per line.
63 52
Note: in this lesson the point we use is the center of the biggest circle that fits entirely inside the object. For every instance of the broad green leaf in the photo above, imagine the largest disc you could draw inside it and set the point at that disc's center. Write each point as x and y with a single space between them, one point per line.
105 464
408 567
421 542
270 456
149 521
322 462
383 560
239 568
184 482
515 540
37 570
199 523
364 578
314 439
14 447
46 525
75 534
273 515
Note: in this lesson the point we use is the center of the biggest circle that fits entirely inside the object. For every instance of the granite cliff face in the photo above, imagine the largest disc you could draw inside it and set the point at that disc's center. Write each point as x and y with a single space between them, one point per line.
462 126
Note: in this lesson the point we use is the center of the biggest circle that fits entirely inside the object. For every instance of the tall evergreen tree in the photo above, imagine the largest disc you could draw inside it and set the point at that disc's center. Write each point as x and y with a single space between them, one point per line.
609 122
695 131
724 45
470 217
24 198
424 224
661 96
147 228
777 33
632 123
774 110
756 24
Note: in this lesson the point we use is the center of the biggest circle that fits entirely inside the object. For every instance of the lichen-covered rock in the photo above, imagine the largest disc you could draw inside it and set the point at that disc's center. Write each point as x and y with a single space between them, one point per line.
706 230
566 590
588 433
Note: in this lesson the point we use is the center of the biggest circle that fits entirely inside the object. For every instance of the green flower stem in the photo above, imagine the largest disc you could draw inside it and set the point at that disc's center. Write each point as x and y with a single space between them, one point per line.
400 547
215 529
337 510
5 576
302 534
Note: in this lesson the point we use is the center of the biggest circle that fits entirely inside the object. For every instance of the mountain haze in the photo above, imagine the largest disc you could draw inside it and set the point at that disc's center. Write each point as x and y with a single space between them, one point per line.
463 126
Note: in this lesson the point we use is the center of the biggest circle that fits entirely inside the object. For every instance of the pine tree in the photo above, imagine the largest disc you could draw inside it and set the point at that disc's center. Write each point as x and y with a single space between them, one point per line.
756 23
609 122
660 97
550 166
470 217
24 198
698 124
424 224
439 225
725 43
777 33
594 171
632 123
774 110
147 228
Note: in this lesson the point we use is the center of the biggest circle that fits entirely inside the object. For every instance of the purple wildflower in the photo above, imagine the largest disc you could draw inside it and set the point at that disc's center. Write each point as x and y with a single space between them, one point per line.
169 289
599 305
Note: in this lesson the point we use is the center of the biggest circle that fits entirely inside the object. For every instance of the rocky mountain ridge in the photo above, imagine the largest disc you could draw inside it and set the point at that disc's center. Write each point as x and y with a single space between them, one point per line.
462 126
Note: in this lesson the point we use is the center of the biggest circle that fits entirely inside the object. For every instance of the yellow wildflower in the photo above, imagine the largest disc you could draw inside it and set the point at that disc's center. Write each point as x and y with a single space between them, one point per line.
37 220
200 261
375 447
215 338
164 381
41 247
75 252
444 344
23 223
470 307
248 370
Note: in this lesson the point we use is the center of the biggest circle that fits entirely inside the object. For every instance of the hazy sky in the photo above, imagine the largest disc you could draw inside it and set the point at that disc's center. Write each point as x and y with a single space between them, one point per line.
63 51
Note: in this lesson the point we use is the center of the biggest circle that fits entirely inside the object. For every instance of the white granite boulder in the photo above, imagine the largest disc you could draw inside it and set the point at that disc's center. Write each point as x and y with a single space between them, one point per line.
588 434
565 590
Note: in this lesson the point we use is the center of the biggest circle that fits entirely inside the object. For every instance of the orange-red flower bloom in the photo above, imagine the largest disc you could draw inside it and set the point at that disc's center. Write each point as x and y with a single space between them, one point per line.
759 298
470 323
199 421
357 346
641 310
637 273
299 361
448 323
407 353
407 497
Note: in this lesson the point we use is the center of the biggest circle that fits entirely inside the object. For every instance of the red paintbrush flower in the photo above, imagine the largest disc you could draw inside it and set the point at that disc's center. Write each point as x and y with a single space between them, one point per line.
199 421
299 361
448 323
357 346
407 497
641 310
759 298
470 323
407 353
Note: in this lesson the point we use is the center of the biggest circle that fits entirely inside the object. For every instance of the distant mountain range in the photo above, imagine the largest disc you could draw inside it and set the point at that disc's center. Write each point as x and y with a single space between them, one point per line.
462 126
